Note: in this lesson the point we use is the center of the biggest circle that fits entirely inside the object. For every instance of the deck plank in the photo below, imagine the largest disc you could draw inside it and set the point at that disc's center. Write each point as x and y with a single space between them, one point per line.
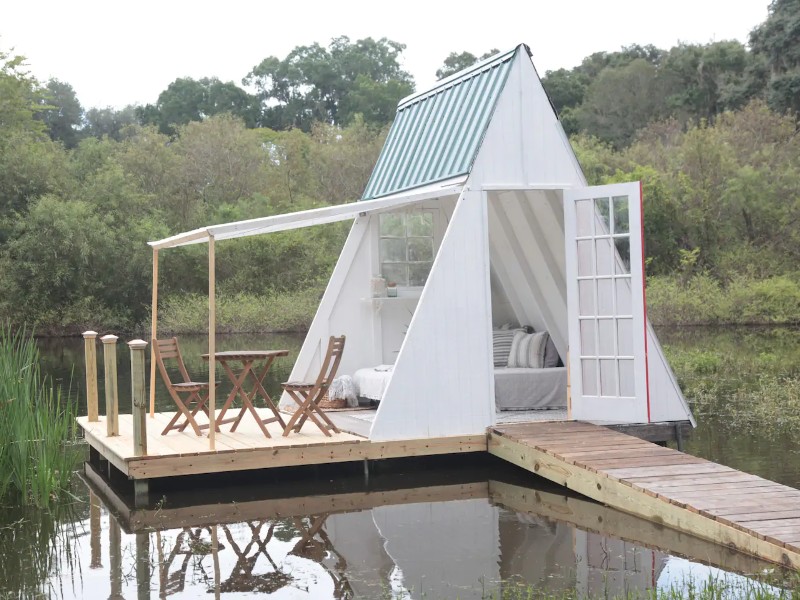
687 493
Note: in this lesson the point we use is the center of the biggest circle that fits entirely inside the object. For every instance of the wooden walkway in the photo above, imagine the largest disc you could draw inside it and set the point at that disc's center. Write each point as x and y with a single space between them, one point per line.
708 500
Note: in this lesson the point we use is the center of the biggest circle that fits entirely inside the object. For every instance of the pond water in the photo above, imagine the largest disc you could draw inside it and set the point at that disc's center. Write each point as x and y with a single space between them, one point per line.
466 529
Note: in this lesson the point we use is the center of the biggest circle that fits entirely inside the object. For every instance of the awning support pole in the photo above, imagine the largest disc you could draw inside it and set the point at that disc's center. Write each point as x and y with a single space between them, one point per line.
153 331
212 345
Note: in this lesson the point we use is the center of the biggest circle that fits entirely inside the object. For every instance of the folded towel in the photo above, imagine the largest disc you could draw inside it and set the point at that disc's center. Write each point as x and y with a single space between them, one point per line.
383 368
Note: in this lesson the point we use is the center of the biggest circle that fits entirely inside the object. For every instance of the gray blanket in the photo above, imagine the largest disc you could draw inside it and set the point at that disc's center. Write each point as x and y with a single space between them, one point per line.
526 389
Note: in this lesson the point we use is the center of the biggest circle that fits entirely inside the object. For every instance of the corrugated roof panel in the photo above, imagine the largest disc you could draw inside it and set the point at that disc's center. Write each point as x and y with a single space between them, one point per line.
436 134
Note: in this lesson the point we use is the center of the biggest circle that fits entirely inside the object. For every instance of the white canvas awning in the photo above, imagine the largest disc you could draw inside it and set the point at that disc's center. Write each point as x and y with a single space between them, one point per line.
306 218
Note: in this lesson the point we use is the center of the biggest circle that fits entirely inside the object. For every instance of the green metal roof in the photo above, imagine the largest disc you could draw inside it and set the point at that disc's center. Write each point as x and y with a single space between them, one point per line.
436 134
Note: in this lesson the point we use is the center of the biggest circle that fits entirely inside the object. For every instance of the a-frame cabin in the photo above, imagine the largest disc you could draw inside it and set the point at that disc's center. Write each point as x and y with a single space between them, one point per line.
478 210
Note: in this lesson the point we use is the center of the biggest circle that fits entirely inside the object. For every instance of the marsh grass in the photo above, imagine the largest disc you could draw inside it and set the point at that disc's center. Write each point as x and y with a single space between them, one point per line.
725 587
37 454
748 379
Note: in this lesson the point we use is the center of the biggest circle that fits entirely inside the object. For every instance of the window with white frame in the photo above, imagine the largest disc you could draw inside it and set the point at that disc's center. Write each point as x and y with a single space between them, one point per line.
406 247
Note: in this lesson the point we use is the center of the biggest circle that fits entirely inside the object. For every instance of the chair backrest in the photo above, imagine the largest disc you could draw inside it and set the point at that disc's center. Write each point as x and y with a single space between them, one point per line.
331 363
169 349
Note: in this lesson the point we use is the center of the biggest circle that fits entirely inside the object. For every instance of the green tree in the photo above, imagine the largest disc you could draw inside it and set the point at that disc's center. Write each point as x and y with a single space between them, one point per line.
62 113
110 122
711 78
777 43
623 100
314 83
186 100
458 61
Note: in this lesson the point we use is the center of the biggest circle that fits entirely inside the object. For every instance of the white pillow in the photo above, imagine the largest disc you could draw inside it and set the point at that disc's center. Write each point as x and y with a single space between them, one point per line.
527 350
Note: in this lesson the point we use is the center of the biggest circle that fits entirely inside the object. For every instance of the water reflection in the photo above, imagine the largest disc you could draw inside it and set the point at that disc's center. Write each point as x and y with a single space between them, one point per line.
438 534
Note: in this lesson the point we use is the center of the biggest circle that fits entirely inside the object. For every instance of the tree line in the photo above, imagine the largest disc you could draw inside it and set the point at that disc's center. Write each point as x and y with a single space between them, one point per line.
709 128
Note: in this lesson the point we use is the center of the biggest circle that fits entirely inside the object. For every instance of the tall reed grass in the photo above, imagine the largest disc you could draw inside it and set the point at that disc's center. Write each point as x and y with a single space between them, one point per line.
36 425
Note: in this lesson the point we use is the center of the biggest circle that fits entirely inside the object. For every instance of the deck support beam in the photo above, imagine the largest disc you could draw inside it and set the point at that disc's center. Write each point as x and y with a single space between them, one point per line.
141 492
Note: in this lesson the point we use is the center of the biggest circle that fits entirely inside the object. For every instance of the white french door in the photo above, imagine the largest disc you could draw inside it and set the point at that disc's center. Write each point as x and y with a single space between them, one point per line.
605 307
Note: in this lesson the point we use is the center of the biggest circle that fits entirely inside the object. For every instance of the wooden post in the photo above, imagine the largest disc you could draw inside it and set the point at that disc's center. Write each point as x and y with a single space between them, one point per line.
153 332
212 345
112 395
94 531
138 397
90 358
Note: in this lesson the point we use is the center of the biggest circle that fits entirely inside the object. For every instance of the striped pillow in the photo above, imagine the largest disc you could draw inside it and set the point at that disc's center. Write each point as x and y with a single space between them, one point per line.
527 350
501 345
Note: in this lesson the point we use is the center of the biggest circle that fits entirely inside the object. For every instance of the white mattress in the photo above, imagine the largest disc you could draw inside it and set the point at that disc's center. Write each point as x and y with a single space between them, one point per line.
372 382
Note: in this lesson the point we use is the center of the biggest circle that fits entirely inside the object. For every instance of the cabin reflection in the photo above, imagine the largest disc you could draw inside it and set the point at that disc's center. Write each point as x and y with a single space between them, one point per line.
461 539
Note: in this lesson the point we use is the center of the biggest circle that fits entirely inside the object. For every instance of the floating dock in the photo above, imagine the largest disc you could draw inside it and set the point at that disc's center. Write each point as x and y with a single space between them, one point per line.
690 494
667 487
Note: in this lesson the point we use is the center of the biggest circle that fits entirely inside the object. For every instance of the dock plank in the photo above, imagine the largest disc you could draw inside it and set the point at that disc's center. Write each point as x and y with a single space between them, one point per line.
678 490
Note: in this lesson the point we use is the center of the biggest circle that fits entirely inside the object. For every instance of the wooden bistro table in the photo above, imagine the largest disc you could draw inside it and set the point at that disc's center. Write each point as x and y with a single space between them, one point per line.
248 358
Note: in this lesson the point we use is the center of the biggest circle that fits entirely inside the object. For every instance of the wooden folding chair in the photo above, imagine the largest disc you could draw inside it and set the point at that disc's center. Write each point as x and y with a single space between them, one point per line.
308 395
196 392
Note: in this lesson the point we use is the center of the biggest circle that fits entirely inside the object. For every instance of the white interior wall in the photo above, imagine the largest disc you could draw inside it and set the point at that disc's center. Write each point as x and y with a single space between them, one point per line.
443 381
342 310
392 318
526 238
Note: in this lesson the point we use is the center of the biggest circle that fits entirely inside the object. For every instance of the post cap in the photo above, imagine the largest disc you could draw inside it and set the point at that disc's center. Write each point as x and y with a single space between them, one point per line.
109 339
89 334
137 344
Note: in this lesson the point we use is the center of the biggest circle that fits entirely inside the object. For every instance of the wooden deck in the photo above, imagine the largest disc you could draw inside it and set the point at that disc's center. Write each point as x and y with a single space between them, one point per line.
184 453
708 500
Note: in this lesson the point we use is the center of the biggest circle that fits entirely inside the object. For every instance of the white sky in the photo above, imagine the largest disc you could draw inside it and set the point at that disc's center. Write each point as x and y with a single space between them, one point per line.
116 53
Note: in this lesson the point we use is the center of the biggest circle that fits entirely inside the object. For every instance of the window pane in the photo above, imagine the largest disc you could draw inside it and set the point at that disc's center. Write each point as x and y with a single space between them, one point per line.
623 245
589 379
608 377
418 273
585 258
585 297
601 205
621 219
420 249
419 224
623 286
605 257
583 208
394 273
587 338
393 225
627 386
625 336
605 297
393 250
605 333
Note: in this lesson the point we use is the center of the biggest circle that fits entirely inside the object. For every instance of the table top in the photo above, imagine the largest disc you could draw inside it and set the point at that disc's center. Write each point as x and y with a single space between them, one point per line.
246 354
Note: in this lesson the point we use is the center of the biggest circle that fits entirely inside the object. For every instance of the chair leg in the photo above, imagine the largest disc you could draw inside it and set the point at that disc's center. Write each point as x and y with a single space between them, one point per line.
182 410
306 410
